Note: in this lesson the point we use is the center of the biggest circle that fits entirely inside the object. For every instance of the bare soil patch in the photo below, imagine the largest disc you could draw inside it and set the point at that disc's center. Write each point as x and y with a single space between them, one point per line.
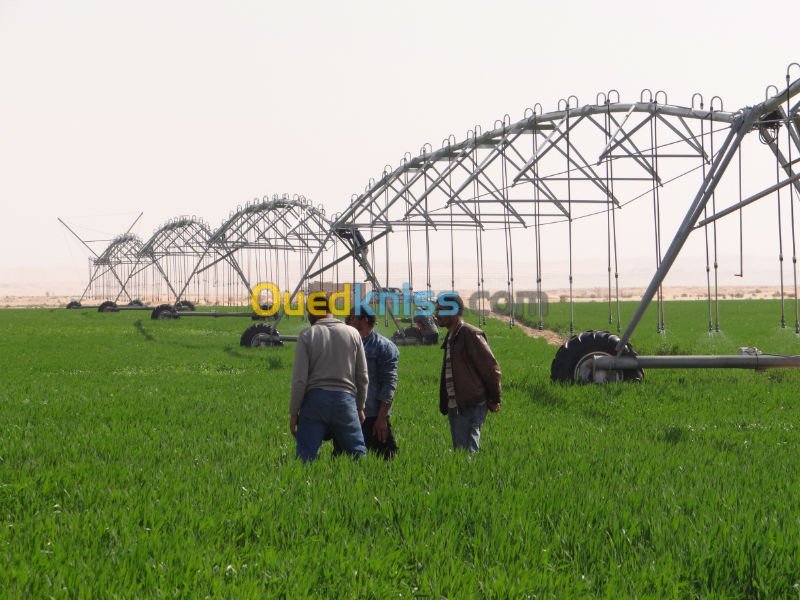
551 337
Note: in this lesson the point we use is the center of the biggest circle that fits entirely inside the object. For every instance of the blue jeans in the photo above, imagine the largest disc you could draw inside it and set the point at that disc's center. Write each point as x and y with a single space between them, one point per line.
465 426
328 410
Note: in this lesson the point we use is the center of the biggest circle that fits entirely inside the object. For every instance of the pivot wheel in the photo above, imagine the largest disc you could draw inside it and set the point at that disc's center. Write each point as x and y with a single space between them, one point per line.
260 335
107 306
73 304
184 305
136 302
574 361
164 312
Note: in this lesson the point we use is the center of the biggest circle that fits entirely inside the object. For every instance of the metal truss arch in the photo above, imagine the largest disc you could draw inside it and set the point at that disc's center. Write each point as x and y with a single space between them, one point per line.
279 223
114 269
176 252
467 171
122 248
579 161
180 234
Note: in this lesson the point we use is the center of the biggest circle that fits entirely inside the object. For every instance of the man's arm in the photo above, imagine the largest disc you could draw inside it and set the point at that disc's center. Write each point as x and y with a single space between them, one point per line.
299 376
486 365
380 429
387 373
387 380
362 377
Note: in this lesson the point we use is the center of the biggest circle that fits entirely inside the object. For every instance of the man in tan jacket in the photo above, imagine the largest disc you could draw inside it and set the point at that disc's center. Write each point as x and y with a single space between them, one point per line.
470 381
329 384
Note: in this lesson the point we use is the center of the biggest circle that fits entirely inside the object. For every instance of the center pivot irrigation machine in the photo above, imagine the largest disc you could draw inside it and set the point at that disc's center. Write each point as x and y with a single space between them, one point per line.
563 192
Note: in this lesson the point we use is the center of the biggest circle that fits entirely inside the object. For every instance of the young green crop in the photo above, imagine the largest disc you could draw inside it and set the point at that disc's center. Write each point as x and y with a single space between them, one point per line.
153 458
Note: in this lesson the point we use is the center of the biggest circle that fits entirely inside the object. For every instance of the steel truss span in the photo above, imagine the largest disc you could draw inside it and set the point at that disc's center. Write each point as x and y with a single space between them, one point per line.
113 273
268 239
271 240
529 204
585 186
173 255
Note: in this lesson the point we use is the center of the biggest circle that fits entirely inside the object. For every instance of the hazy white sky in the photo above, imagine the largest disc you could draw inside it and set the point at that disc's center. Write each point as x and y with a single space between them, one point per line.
108 108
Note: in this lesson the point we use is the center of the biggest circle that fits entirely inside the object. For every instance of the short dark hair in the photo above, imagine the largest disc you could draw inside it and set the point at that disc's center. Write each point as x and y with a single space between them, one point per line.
315 303
362 315
453 297
460 301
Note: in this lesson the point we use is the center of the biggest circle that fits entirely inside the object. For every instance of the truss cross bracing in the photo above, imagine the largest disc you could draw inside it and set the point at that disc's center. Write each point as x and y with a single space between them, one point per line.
635 167
530 203
114 272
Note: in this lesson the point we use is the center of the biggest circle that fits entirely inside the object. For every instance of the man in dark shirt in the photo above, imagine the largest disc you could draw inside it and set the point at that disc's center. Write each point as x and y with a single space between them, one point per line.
382 356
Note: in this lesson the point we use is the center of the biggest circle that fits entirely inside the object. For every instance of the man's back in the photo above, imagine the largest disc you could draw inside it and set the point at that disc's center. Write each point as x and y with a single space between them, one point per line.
329 355
329 383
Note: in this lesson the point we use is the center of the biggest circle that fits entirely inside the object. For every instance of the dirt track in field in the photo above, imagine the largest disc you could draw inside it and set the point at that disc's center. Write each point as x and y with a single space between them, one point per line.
551 337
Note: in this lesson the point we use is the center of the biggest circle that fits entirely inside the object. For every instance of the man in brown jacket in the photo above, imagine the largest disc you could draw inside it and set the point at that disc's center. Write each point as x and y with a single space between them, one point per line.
470 382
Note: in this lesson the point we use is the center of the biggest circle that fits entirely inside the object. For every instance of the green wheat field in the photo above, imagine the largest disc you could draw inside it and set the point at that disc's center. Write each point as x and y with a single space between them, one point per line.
145 458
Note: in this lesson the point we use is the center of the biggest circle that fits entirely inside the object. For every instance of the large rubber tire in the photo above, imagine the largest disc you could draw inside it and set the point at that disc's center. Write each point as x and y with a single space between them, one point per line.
260 335
164 312
107 306
573 364
136 302
73 304
184 305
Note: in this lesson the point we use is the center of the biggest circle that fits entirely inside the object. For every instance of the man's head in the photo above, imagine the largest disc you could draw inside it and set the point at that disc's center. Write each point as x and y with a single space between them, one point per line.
318 306
449 308
363 322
